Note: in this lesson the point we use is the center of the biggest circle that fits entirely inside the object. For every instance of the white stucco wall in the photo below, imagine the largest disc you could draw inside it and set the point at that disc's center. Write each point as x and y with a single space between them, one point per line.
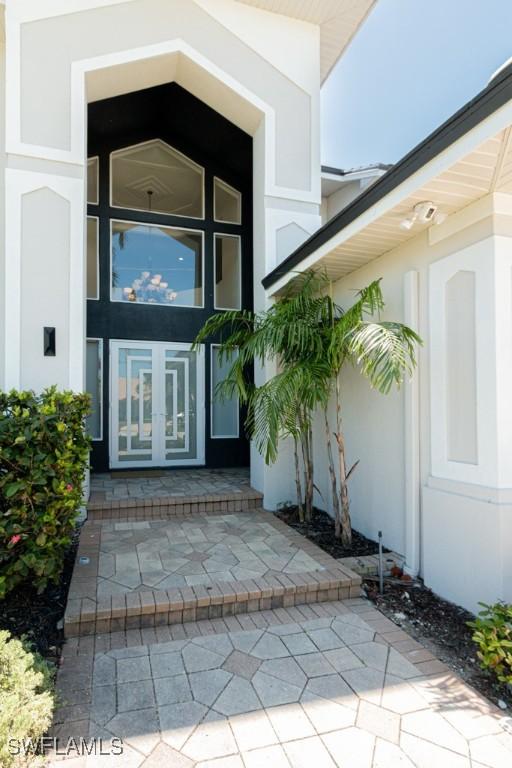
348 189
374 424
46 85
340 199
46 224
465 501
60 55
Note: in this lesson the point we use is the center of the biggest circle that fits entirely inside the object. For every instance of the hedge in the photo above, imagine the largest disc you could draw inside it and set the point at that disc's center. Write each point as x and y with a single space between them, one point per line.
26 701
43 458
493 636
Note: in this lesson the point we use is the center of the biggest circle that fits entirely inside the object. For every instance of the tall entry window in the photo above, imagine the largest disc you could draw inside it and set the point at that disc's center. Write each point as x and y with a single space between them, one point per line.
154 261
228 274
92 276
227 203
224 412
156 265
93 180
169 244
93 385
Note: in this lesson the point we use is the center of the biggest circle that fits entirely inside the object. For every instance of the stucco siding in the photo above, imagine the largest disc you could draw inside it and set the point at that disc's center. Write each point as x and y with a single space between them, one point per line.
374 424
46 79
459 430
466 554
222 53
45 247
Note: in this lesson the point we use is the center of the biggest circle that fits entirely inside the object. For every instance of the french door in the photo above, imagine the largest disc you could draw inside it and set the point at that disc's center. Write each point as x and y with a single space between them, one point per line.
157 410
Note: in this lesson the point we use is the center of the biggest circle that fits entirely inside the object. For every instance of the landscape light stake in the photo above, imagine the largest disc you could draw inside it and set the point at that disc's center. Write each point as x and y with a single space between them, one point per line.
381 569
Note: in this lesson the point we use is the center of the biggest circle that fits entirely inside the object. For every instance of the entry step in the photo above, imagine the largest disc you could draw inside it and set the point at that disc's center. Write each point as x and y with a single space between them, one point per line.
141 573
158 507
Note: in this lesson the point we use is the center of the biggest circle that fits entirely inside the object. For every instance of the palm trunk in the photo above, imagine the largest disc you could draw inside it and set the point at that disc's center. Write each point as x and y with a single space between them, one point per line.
345 526
298 484
310 471
332 473
305 432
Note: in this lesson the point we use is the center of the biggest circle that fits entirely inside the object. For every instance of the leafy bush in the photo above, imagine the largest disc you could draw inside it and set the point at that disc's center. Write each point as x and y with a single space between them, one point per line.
493 635
43 457
26 698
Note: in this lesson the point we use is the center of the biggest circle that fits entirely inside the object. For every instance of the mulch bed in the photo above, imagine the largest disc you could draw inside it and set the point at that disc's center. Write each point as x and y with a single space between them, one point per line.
438 625
441 627
38 618
321 531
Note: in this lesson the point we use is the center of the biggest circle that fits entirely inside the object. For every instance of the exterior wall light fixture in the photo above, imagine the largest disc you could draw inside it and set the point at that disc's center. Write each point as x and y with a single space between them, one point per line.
424 213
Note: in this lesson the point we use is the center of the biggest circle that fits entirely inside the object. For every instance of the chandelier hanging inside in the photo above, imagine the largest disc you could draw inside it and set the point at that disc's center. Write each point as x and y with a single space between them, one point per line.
150 287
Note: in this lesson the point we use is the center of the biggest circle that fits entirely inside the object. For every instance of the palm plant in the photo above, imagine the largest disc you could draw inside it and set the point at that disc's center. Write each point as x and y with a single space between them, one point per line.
384 352
287 335
309 338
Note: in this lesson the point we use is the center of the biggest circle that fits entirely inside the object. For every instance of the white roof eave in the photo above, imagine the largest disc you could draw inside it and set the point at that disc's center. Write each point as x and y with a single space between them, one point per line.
338 20
492 125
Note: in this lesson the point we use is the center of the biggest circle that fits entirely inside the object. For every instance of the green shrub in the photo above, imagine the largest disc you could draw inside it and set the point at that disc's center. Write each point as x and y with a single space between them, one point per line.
493 635
26 698
43 457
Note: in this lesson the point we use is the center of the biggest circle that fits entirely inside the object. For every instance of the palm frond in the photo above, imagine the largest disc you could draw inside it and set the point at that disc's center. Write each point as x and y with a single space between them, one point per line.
277 408
308 337
237 322
369 302
386 352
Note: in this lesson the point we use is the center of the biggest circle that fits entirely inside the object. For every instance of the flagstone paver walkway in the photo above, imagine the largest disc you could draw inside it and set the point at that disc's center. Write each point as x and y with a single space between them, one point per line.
326 685
317 683
172 483
196 550
166 493
138 573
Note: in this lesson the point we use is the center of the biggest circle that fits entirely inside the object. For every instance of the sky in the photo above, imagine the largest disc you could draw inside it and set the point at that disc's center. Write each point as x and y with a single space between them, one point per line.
410 66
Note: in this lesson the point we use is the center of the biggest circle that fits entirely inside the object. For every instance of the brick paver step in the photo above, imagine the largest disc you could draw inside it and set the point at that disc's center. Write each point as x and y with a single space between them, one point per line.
157 507
144 573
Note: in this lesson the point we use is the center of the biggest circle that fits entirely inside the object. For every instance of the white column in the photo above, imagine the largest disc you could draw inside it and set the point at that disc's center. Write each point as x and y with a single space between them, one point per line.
503 356
463 365
44 250
412 437
467 500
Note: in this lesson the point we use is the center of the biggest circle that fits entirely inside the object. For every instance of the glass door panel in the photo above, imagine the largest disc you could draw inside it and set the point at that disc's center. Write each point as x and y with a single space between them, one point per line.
157 404
135 404
180 404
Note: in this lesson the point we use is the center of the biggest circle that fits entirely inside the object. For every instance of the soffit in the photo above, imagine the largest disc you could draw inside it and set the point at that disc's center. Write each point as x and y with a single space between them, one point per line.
486 169
463 183
338 20
503 174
